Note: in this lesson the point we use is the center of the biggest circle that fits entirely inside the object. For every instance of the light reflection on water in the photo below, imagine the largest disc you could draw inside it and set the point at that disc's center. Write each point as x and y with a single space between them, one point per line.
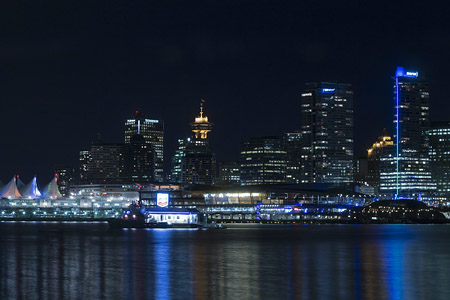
90 261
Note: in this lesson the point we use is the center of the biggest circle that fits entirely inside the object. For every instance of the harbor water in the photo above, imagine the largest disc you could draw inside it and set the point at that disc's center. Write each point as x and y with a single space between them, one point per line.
64 260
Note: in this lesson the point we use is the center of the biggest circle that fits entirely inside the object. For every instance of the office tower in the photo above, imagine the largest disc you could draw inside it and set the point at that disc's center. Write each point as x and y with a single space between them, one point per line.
84 163
381 148
140 160
405 171
439 138
106 163
292 145
360 171
65 176
229 174
327 133
153 133
263 161
175 175
198 166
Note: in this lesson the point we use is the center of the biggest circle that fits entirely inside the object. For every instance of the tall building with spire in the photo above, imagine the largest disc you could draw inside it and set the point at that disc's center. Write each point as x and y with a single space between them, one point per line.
198 165
153 134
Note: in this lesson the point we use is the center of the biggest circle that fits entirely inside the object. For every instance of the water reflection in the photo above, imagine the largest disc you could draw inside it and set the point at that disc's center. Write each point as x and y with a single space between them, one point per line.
89 261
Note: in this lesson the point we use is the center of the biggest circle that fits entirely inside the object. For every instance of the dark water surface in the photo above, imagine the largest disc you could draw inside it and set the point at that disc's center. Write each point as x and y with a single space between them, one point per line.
90 261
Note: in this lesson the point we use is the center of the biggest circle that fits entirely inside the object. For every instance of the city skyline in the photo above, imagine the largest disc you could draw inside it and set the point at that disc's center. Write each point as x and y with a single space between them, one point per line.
73 72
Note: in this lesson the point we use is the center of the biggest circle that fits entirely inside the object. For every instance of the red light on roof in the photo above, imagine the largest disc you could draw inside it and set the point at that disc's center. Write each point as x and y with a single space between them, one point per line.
18 175
137 112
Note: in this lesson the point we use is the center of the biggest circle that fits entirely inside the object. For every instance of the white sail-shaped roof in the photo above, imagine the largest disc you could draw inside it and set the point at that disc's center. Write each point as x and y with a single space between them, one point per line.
31 190
10 190
51 191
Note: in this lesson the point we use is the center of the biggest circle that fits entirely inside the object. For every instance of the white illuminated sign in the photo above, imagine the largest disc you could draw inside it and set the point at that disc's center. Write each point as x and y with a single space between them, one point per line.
306 94
412 74
162 199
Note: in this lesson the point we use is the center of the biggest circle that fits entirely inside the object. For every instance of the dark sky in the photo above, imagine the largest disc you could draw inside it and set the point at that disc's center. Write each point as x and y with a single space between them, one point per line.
70 70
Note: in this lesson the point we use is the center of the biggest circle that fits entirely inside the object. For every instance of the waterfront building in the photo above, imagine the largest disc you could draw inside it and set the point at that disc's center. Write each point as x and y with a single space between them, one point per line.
229 174
66 178
263 161
327 133
405 171
198 165
439 139
153 133
175 174
292 145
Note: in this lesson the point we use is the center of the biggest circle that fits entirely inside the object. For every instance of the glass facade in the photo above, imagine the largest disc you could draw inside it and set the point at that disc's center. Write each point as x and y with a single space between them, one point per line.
405 170
263 161
153 133
439 138
327 133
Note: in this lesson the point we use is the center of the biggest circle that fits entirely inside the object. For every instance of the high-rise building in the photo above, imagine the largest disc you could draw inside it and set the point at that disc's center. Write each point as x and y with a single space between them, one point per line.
175 175
327 133
153 133
229 174
198 166
65 176
405 172
140 160
84 163
107 163
360 171
293 148
381 148
439 137
263 161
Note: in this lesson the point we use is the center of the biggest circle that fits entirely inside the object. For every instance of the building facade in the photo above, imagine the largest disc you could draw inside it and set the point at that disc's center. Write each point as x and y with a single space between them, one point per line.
382 148
405 170
175 174
327 133
293 148
107 163
229 174
153 133
263 160
66 177
439 138
140 160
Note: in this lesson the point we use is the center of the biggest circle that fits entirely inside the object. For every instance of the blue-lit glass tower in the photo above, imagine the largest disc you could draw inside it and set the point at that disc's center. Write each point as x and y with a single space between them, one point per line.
405 171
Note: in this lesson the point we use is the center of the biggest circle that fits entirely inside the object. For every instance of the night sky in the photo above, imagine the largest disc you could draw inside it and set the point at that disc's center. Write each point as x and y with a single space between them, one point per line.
72 70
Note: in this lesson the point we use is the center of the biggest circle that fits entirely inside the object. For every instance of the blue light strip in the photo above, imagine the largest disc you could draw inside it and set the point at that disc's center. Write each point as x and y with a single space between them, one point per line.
398 125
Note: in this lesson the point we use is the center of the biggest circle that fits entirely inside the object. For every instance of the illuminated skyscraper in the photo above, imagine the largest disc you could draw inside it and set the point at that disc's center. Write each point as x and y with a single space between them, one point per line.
405 171
175 175
327 133
380 149
153 133
140 160
439 136
198 165
292 146
263 161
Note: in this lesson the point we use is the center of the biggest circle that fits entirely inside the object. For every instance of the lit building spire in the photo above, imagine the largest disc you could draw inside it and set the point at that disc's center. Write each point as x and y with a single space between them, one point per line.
201 126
